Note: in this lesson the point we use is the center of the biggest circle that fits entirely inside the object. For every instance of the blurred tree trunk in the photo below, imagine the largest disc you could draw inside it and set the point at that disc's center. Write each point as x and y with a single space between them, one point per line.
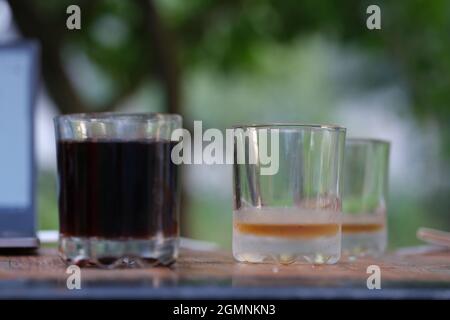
51 33
166 60
57 81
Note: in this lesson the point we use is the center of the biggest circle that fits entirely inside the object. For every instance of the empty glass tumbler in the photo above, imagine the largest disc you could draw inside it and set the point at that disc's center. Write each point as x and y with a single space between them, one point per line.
287 195
364 201
117 189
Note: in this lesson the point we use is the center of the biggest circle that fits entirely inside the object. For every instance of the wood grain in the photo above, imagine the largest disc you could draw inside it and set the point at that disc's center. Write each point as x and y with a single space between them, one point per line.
207 268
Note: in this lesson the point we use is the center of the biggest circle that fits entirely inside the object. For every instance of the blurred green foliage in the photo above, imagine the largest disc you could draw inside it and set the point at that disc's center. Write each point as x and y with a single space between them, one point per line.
47 204
247 61
229 35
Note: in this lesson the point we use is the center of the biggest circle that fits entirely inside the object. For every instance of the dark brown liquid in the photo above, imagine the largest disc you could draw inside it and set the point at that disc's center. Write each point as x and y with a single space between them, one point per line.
117 189
289 230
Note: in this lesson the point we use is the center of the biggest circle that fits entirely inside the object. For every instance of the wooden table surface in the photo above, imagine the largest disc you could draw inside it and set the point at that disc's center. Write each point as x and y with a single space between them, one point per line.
216 275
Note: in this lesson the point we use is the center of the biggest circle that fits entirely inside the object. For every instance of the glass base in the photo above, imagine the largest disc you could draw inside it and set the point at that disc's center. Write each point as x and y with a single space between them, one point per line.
372 244
118 253
258 249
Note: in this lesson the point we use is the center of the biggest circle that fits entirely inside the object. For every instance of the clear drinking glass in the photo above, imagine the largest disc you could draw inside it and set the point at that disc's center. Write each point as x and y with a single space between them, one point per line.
118 191
295 213
364 200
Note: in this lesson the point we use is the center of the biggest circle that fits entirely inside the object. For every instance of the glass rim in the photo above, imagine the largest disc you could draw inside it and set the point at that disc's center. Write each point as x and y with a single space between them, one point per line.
362 140
99 116
329 127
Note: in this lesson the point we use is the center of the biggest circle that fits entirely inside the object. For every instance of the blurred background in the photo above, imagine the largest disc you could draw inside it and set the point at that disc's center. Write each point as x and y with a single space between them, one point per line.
244 61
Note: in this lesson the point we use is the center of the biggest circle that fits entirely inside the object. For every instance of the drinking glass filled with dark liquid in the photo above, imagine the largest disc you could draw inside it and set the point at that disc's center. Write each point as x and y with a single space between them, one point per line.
118 191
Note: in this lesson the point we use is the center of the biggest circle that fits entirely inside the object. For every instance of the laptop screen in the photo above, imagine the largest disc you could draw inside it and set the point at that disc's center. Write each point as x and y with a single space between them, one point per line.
15 126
